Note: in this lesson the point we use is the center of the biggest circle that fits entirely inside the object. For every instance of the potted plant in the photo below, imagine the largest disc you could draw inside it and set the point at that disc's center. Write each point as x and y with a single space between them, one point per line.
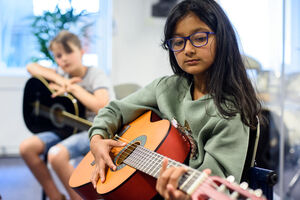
46 26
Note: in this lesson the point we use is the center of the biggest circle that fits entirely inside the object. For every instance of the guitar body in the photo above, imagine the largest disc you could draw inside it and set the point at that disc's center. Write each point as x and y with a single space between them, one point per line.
126 182
42 113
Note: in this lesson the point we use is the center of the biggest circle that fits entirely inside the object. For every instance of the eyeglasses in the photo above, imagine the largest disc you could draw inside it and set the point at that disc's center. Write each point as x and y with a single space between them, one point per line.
198 39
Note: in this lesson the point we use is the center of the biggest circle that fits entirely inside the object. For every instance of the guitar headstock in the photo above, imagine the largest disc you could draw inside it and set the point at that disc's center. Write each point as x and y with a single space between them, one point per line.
226 189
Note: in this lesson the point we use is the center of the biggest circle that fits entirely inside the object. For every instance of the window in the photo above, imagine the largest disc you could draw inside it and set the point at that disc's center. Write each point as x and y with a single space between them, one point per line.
18 44
269 31
91 6
259 27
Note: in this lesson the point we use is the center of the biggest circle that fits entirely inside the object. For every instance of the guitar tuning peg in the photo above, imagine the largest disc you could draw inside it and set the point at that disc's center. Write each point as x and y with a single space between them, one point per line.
244 185
258 192
230 179
222 188
251 191
234 195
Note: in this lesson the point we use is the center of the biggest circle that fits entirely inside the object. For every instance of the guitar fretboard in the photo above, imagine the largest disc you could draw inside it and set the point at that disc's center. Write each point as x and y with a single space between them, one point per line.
150 163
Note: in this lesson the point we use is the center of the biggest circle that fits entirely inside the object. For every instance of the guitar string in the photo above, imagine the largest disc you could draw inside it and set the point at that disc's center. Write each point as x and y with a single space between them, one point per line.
148 154
151 153
148 151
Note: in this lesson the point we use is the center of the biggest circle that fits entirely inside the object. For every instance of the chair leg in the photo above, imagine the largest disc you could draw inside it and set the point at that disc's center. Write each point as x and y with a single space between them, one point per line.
43 191
43 195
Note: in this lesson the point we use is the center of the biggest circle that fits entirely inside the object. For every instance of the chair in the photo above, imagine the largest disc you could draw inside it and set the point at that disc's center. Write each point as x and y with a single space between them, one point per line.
124 89
263 179
257 177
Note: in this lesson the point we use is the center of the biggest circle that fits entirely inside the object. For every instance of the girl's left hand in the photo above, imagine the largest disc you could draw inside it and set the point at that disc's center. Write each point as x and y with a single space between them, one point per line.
167 182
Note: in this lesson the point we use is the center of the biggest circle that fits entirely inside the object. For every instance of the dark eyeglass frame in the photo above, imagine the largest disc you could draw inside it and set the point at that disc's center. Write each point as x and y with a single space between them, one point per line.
188 38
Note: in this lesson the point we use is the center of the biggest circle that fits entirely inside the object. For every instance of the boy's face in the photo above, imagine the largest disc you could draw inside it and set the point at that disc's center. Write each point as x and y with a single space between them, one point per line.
69 62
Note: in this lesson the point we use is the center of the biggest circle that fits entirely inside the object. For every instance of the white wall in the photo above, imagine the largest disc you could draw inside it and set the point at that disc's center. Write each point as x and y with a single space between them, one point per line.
13 129
136 57
137 53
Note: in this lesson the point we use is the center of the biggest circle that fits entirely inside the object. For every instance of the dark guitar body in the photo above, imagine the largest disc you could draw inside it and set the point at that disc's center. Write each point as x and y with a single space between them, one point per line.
42 113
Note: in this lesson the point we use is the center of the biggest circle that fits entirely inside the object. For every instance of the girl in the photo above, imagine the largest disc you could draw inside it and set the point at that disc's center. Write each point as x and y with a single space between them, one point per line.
209 91
91 87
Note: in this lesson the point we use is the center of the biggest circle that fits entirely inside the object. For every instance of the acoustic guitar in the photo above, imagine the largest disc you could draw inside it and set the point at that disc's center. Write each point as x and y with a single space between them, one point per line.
149 140
63 114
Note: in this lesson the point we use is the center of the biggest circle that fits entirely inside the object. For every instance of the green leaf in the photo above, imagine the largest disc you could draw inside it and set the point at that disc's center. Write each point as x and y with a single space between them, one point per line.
49 24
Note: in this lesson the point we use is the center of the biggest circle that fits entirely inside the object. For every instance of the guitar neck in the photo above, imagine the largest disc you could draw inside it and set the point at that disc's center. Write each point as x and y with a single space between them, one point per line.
61 116
150 163
195 183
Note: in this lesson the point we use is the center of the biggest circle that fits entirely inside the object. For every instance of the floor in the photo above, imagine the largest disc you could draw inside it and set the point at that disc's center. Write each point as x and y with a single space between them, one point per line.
17 182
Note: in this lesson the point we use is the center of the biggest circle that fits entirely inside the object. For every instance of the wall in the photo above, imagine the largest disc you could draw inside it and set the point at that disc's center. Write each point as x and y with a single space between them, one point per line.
137 53
13 129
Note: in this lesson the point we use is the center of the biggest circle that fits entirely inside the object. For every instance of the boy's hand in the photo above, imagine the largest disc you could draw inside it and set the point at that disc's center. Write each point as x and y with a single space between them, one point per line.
68 86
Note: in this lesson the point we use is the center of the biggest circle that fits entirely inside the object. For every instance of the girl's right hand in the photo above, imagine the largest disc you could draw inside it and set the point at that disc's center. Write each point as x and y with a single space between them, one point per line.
100 149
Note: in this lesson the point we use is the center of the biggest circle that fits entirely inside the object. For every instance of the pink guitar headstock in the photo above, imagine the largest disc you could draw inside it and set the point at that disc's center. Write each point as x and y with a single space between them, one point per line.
225 189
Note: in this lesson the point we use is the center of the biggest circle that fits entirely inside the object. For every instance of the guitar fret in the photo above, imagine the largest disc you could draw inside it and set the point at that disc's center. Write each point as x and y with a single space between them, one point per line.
155 164
141 158
152 159
182 179
151 166
130 161
137 160
150 163
194 182
186 183
189 179
145 160
157 168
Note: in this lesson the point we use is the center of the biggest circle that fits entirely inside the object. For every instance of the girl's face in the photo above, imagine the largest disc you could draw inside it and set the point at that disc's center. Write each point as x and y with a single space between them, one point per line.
69 62
194 60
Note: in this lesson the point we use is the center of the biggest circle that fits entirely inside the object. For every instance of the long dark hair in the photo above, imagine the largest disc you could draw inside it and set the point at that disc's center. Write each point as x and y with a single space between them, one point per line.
227 80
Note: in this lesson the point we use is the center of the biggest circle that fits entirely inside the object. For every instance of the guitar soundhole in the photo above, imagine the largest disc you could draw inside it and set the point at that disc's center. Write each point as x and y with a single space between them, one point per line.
128 150
56 115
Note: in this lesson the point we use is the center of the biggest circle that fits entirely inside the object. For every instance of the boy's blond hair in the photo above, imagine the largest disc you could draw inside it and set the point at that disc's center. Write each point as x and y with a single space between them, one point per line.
64 38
